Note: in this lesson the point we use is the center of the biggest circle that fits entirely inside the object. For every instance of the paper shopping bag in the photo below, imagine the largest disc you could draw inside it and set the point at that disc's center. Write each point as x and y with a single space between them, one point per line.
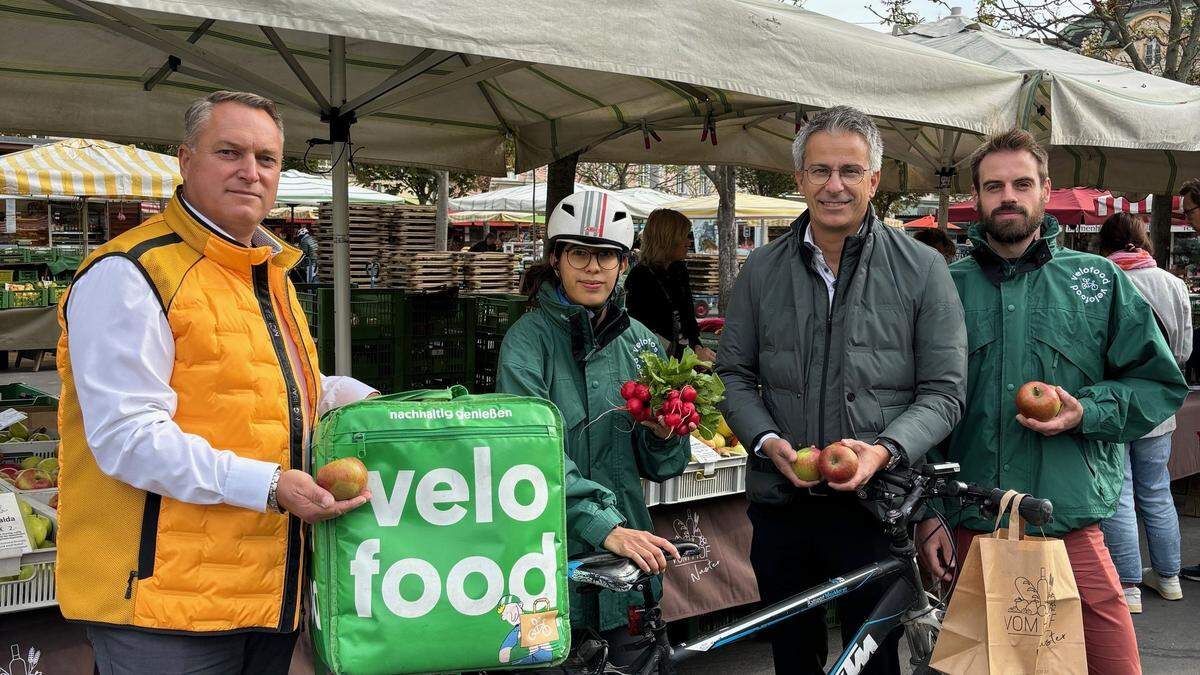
1016 608
540 626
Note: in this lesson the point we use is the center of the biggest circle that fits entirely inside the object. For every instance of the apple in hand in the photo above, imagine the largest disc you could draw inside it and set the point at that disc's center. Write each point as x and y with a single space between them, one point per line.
838 463
805 467
1038 401
344 478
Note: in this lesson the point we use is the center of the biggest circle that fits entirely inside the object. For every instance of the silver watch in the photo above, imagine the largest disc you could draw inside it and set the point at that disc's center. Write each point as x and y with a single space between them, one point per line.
894 453
273 492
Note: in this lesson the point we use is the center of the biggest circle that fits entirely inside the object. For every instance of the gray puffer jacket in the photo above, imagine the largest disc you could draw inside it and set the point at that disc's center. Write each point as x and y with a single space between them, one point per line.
896 331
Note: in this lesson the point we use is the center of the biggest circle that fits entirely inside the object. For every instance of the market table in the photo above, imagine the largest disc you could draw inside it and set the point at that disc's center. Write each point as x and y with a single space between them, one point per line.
29 328
1185 442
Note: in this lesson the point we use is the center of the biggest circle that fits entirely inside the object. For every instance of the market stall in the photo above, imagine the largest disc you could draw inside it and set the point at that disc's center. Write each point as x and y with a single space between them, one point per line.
757 217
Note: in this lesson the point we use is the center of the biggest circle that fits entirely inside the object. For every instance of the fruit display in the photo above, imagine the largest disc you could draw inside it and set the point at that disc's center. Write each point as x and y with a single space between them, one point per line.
344 478
724 442
32 473
39 529
673 392
1038 401
19 433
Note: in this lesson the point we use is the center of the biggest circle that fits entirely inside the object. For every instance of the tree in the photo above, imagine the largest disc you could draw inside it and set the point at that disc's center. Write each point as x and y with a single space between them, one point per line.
765 183
560 183
890 203
725 180
421 183
610 176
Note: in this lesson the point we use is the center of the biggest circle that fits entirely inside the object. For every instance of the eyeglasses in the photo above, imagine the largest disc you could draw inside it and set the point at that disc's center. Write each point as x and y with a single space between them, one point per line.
1188 212
581 258
850 175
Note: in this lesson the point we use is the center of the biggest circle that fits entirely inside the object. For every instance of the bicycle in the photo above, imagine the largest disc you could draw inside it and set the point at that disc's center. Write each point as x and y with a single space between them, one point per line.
904 604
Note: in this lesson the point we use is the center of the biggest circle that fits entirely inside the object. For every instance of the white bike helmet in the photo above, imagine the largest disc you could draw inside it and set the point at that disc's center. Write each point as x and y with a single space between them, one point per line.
592 219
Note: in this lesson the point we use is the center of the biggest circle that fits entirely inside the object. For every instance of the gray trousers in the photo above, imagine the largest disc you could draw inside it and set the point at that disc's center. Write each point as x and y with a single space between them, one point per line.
128 651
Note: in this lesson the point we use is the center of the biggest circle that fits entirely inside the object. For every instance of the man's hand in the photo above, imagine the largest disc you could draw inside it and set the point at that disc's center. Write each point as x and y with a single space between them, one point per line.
299 494
1069 417
643 548
935 549
705 354
662 431
871 458
782 455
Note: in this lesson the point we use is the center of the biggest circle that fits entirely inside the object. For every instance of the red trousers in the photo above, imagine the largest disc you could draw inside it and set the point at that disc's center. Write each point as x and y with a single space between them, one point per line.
1107 628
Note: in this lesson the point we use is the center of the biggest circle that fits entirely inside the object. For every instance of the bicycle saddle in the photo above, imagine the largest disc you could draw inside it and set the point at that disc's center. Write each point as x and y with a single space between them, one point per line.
614 572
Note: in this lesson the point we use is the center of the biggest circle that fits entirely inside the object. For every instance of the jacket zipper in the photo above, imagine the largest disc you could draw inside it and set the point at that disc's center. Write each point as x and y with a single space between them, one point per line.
262 292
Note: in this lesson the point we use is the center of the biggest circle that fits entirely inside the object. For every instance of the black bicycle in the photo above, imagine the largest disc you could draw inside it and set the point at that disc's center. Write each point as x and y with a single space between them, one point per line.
904 604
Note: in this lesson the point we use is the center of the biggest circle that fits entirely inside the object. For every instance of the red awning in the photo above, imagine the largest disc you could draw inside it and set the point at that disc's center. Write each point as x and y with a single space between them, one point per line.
925 223
1071 206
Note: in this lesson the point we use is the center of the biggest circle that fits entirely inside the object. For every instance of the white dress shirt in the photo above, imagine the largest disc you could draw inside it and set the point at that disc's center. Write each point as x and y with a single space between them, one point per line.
122 356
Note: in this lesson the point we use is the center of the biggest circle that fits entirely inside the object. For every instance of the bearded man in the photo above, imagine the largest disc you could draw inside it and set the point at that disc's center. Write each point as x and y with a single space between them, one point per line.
1038 312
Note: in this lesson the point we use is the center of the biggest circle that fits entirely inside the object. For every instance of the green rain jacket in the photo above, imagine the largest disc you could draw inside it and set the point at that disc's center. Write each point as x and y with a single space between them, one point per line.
554 353
1069 319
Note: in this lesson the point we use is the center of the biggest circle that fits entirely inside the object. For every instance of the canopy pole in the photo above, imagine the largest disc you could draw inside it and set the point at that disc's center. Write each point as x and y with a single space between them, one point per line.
442 233
83 223
339 135
943 210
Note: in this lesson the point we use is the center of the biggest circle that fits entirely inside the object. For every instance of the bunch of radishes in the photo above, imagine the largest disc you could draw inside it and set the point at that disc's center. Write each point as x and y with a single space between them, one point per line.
677 410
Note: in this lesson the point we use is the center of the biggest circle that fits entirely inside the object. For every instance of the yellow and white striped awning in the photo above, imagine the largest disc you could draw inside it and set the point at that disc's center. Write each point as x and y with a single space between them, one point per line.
82 167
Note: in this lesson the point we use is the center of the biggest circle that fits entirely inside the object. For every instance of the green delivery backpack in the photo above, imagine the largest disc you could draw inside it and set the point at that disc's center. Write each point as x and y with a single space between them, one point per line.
458 562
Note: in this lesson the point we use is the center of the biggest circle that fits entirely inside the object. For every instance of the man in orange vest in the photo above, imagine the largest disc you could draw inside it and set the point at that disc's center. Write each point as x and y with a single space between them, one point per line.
190 386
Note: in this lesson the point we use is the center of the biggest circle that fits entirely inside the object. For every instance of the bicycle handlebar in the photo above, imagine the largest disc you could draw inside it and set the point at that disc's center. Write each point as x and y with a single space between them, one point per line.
1034 510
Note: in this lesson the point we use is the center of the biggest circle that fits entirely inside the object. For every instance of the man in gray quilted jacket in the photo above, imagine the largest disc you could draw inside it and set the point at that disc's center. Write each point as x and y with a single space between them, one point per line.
842 329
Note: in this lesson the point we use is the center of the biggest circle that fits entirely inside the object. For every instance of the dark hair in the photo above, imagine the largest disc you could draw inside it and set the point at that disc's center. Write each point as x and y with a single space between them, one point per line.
1013 140
938 240
541 273
1191 188
1123 232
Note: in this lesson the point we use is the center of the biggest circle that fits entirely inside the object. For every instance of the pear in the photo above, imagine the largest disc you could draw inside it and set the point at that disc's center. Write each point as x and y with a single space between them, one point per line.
26 509
39 437
4 436
18 430
30 462
49 465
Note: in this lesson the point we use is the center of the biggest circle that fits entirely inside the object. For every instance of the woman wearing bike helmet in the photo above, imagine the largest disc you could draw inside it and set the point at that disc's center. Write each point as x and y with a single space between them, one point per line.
575 348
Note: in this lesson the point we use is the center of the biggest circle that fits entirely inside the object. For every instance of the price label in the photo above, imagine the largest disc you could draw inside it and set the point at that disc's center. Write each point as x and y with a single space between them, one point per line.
702 453
13 541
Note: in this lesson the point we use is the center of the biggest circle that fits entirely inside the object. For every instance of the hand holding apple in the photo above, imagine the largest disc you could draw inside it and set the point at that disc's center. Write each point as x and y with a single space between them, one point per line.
807 463
1038 401
300 495
783 457
871 459
1069 416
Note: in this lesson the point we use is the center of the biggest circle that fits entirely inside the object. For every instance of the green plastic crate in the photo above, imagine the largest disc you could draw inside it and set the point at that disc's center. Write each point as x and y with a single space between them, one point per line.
18 395
434 345
18 299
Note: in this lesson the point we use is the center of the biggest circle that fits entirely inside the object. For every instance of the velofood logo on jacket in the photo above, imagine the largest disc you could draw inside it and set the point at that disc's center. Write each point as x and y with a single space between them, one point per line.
1091 284
458 561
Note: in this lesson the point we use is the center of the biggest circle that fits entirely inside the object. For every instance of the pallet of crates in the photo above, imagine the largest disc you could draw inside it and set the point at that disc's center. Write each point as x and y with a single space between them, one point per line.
494 315
432 345
32 587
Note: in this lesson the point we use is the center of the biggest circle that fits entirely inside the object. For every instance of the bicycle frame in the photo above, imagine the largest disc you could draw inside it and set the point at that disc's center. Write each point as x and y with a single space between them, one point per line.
888 614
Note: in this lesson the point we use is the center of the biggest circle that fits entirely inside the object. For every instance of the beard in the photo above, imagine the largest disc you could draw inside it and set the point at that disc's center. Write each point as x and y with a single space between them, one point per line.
1012 231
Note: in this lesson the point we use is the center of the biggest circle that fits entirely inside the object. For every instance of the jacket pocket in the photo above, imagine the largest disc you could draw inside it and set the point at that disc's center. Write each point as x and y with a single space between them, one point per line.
563 396
765 485
1069 351
147 542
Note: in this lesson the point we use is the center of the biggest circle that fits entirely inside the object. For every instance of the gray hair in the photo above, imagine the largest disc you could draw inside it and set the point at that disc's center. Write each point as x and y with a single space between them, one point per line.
199 112
840 119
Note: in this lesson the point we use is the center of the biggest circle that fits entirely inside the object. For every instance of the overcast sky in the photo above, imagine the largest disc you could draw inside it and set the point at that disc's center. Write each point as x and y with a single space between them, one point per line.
855 11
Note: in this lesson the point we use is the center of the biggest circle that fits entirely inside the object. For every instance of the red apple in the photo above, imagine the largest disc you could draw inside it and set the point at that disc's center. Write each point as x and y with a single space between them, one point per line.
33 479
10 471
806 464
838 463
1038 401
345 478
54 501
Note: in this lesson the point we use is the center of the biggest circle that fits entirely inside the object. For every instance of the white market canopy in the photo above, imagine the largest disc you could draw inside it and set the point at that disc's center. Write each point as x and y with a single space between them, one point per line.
297 187
83 167
443 85
1111 126
531 198
647 196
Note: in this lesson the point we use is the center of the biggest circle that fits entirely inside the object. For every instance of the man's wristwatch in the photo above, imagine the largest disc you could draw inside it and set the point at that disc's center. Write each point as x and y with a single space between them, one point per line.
895 455
273 492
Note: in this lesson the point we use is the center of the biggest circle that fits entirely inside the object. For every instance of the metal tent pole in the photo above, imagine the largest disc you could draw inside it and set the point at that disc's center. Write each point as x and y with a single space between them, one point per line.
441 234
339 135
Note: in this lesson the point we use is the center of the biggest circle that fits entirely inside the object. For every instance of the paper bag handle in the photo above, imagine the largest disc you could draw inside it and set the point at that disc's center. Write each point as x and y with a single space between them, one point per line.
1016 527
1004 502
